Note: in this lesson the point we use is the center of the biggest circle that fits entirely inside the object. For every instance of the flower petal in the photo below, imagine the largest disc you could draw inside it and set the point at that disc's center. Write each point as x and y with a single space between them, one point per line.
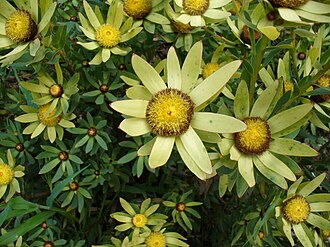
161 151
191 67
173 70
135 126
4 41
148 75
312 185
289 14
18 49
6 9
261 105
316 7
291 147
301 235
27 118
138 92
216 14
217 123
134 107
318 221
46 18
288 117
242 102
273 163
106 53
190 163
320 207
218 3
91 15
271 175
196 149
245 167
38 130
213 84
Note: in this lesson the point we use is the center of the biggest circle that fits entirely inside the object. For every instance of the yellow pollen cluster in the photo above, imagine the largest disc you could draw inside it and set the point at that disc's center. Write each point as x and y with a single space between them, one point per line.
296 210
181 27
324 81
156 239
50 119
326 233
255 139
195 7
56 90
139 220
107 36
209 69
288 3
169 112
20 27
6 174
137 9
288 86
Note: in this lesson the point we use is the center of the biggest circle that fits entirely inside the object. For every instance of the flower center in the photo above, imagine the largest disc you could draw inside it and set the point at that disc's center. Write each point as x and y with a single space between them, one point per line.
6 174
56 90
137 9
63 156
20 27
180 206
288 86
49 119
74 186
209 69
324 81
107 36
255 139
139 220
169 112
288 3
19 147
92 132
104 88
296 210
156 239
181 27
195 7
48 244
326 233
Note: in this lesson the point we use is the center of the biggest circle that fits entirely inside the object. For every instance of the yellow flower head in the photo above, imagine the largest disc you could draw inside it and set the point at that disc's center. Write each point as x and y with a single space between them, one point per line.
56 90
107 36
137 9
6 174
326 233
169 112
139 220
289 3
195 7
20 27
255 139
296 210
324 81
156 239
209 69
181 27
50 119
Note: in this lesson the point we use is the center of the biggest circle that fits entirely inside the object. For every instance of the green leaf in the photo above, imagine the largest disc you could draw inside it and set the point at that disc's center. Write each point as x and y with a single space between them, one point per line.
25 227
312 185
242 103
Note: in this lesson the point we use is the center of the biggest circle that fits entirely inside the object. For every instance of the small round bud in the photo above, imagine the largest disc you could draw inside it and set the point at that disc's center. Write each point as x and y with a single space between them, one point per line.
63 156
92 132
271 16
44 225
122 67
104 88
97 173
301 55
85 63
74 186
73 18
19 147
180 206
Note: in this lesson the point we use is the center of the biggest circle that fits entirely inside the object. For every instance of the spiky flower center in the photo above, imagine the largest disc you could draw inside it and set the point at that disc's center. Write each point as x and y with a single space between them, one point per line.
326 233
48 119
255 139
296 210
20 27
182 27
209 69
169 112
139 220
6 174
288 3
156 239
288 86
180 206
324 81
195 7
56 90
137 9
107 36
